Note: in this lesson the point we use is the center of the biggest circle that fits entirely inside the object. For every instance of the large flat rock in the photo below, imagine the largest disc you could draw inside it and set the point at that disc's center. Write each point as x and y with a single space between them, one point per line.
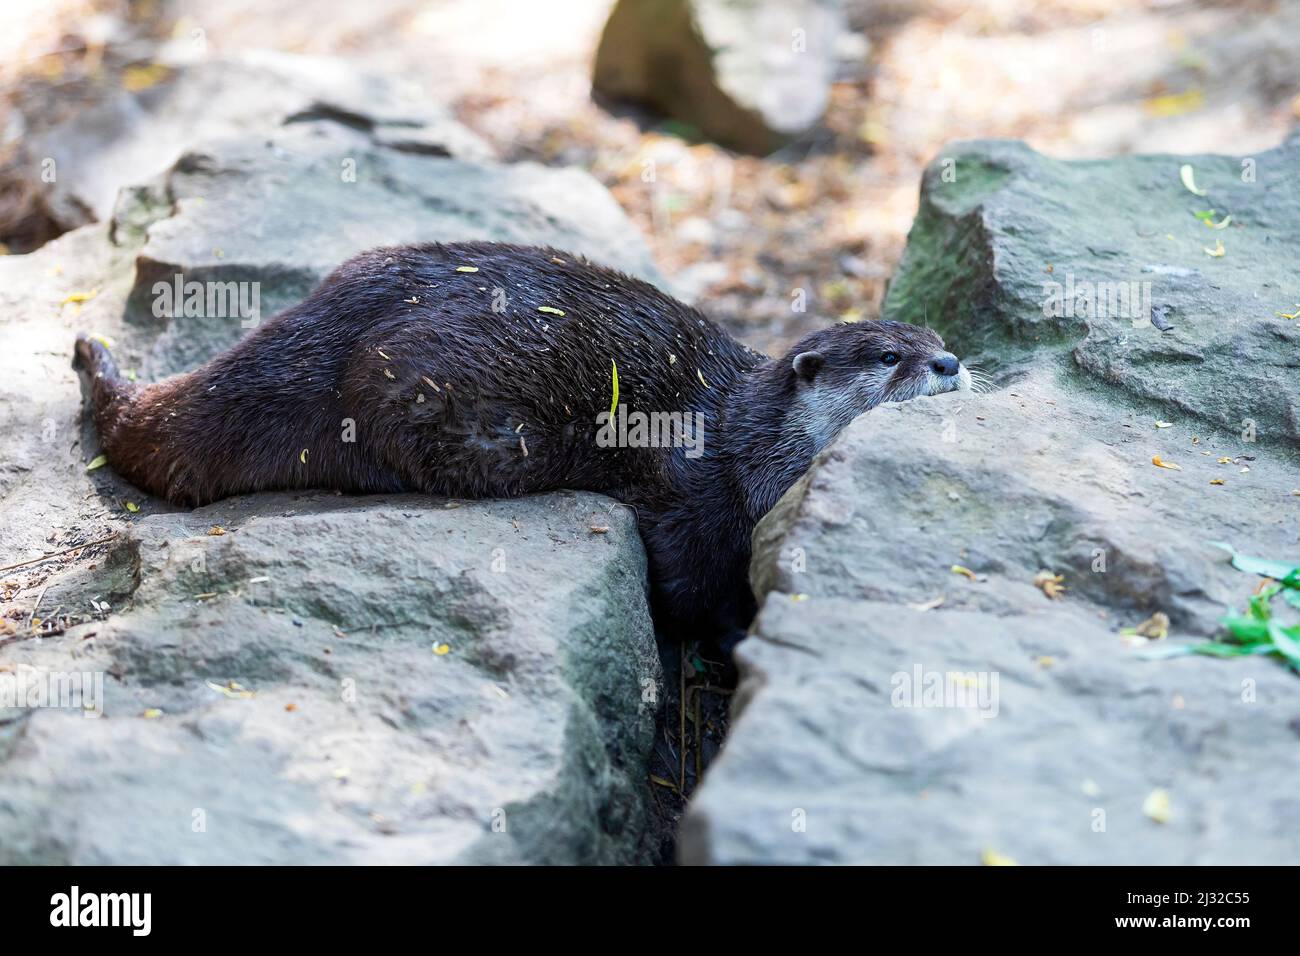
1080 728
1013 252
1078 743
412 683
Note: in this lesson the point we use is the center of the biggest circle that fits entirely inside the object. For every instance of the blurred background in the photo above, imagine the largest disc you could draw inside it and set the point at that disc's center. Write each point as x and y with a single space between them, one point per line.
824 207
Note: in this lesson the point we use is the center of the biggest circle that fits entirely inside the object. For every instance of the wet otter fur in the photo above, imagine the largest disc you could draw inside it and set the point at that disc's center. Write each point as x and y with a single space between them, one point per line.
397 374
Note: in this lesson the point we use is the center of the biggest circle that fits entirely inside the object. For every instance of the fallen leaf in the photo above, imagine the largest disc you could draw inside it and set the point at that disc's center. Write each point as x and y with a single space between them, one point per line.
132 507
302 456
216 530
965 572
993 858
1156 806
1164 464
153 713
137 78
1050 584
1188 176
1176 104
442 649
1218 251
79 297
928 605
467 268
550 311
1155 628
99 461
233 690
613 402
1216 481
1164 424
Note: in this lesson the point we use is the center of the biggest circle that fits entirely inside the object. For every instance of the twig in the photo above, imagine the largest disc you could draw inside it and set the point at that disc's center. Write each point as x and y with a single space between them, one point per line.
39 598
46 557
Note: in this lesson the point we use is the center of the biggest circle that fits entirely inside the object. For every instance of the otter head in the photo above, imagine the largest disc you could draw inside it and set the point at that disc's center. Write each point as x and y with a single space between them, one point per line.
846 370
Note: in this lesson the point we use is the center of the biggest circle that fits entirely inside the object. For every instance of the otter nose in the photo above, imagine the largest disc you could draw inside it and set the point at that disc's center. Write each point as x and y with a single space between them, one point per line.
945 364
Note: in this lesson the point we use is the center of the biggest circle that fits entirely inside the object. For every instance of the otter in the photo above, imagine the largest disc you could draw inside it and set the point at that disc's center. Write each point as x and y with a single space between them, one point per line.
486 370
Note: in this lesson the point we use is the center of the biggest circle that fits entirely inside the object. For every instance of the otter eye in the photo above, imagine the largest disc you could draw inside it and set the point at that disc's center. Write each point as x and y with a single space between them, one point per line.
889 358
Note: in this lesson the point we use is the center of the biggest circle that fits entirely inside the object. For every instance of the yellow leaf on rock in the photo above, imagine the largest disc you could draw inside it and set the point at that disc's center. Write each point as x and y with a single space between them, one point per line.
1154 628
1049 583
1156 460
994 858
1157 806
79 297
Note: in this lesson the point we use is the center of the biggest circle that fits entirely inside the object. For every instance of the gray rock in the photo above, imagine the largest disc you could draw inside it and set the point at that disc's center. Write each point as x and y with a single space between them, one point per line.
826 761
823 766
1002 230
128 136
283 211
527 742
523 742
750 74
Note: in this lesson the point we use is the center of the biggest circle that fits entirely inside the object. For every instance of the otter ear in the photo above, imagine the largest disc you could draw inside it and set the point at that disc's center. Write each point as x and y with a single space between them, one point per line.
808 364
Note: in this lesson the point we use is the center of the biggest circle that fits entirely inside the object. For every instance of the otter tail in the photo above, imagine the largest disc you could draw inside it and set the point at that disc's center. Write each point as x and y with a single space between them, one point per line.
110 393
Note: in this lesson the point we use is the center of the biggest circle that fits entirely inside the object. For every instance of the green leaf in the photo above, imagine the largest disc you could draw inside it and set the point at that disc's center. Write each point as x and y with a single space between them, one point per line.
1261 566
99 461
1284 639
